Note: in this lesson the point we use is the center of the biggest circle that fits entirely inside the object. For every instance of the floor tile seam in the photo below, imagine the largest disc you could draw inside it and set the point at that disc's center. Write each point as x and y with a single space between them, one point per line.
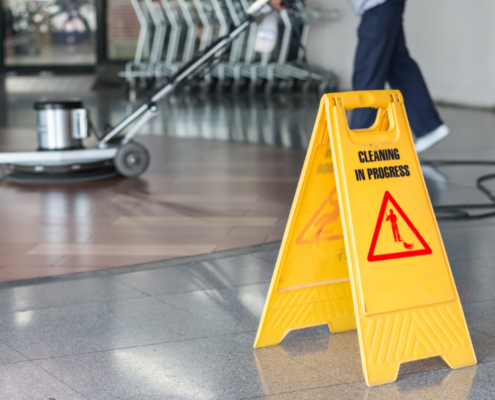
268 238
206 290
428 371
171 294
477 302
27 360
313 368
463 186
471 330
206 319
76 305
135 205
302 390
251 255
486 221
403 375
137 346
477 363
471 258
272 262
61 381
461 273
452 228
56 262
482 332
184 311
478 229
150 266
130 287
446 224
280 351
88 240
14 349
249 284
112 221
477 222
31 248
196 290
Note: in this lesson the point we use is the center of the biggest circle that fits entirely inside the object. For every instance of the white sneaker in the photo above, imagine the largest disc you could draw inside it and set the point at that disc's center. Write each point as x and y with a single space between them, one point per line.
425 142
267 33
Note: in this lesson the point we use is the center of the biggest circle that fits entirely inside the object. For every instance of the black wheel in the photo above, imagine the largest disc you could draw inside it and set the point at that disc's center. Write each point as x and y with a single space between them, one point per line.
132 159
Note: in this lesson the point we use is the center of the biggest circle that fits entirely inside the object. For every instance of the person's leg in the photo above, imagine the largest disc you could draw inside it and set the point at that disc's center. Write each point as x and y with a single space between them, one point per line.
377 35
396 232
406 76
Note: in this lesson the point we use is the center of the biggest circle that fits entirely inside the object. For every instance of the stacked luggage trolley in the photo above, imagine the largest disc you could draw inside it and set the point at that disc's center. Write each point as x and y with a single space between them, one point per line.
173 31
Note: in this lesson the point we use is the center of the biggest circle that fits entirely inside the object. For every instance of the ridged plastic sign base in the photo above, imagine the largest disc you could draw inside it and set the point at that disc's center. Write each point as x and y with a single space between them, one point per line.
362 247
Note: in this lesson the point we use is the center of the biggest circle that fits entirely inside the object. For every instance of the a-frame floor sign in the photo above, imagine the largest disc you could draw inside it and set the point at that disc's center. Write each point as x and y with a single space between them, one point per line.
362 246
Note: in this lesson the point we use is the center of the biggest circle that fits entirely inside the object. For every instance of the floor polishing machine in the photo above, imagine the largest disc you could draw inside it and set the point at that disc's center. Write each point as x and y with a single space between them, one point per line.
62 126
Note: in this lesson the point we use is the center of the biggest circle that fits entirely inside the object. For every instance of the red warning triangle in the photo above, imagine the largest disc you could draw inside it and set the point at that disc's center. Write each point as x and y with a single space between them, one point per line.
395 237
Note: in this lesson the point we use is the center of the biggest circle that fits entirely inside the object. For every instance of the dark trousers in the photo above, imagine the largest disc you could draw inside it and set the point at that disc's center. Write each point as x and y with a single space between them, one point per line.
382 56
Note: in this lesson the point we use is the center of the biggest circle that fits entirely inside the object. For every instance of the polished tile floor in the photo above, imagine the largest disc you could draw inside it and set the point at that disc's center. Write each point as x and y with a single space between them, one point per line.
223 173
205 197
184 329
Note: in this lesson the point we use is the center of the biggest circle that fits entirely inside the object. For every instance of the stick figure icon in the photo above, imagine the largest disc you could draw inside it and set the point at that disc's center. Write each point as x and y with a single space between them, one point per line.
395 229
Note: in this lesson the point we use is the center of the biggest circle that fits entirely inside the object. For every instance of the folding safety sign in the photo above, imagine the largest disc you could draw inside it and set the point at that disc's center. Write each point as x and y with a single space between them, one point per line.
362 246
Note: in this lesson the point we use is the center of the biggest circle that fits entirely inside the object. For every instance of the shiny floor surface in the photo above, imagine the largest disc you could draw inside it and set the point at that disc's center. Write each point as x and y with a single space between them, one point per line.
185 330
223 173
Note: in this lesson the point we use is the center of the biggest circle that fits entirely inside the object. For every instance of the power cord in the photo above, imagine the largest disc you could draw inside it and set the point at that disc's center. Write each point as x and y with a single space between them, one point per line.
459 211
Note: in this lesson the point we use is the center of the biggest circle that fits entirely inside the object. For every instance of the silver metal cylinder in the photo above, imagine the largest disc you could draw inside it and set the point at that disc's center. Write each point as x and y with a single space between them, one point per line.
61 124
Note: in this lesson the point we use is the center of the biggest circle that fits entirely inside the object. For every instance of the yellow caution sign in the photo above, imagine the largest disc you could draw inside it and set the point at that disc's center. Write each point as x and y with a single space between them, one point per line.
362 211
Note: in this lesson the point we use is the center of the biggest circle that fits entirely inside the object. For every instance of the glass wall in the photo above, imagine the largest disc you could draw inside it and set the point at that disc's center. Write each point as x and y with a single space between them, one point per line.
49 32
122 30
